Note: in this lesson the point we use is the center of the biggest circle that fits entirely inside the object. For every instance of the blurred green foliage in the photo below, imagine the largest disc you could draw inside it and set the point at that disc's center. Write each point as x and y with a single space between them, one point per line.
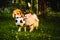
50 12
49 27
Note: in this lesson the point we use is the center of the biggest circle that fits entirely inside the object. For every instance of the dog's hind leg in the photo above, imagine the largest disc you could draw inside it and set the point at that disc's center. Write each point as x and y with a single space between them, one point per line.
36 25
37 28
31 28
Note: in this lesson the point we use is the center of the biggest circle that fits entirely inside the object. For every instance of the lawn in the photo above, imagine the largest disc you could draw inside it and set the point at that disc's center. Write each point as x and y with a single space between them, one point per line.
49 29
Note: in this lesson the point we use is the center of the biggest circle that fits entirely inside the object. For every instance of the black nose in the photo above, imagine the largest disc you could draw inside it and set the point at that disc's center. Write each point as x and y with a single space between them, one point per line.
21 21
18 25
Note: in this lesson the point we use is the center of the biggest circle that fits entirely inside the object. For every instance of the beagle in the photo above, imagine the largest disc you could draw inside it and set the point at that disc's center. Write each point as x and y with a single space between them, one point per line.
29 19
18 15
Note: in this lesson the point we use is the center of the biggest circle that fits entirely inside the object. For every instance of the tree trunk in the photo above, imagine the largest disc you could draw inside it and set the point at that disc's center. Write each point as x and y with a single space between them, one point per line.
43 8
17 1
36 6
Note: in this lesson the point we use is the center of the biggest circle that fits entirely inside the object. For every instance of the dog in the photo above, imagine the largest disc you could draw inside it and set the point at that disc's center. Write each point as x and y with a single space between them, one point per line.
32 21
19 15
29 19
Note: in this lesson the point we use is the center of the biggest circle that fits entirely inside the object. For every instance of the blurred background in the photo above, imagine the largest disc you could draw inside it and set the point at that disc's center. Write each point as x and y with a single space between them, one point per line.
48 12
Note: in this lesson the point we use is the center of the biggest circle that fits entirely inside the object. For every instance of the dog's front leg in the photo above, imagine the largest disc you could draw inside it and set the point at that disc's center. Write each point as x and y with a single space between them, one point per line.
25 29
31 28
19 29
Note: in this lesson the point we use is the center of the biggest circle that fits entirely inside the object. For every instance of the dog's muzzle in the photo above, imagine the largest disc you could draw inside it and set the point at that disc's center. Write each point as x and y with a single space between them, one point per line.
18 25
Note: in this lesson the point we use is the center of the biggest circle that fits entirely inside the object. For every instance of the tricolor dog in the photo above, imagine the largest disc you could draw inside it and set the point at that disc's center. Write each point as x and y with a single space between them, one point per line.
19 15
28 19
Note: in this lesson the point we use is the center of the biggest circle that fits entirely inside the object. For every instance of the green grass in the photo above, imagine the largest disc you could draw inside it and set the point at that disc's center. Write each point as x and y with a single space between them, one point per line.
49 28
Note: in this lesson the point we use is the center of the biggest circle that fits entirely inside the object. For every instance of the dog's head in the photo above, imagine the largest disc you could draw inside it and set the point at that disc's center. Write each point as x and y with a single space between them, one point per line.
17 13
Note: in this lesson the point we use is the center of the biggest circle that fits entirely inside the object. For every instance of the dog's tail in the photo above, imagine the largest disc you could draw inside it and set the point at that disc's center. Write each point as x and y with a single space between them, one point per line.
35 17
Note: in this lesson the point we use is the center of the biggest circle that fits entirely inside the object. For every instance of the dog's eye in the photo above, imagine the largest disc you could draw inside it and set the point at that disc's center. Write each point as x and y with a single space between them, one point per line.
16 20
17 13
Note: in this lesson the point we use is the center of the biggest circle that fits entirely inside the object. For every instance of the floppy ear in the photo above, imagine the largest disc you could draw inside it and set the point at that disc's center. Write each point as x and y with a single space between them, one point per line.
13 14
21 13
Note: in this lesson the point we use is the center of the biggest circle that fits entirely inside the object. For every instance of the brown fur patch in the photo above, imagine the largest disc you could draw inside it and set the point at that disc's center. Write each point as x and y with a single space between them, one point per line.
18 12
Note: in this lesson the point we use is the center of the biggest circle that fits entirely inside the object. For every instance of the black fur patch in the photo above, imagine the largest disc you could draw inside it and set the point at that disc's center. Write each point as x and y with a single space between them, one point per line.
21 21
